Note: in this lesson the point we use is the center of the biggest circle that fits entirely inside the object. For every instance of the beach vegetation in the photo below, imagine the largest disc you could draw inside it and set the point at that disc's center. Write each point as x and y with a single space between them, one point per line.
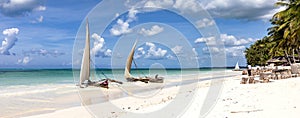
283 36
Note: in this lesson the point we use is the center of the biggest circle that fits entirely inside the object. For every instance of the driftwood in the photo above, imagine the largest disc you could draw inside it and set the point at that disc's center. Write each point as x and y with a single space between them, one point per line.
146 79
132 79
246 111
102 83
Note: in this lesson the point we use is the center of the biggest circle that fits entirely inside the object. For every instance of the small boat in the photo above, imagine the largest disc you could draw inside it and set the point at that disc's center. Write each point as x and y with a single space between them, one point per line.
237 67
85 80
145 79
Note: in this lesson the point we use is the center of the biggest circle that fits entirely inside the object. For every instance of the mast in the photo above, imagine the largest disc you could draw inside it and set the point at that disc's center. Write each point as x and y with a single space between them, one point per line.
85 65
129 61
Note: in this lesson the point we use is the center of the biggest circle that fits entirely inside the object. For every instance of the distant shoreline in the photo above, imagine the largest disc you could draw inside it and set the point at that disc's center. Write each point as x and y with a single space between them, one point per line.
40 69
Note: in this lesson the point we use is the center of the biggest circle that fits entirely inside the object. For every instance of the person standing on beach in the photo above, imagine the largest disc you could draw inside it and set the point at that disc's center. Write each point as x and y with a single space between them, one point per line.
249 70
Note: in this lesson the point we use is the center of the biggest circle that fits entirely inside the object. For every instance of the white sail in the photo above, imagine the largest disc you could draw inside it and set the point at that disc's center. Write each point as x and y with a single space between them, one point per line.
237 66
85 65
129 62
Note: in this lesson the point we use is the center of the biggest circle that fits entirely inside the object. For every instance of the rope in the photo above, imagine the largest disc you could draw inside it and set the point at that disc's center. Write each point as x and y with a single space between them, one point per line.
100 70
138 69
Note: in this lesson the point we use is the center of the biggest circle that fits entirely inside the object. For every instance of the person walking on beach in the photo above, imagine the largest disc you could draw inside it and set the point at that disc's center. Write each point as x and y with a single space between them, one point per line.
249 70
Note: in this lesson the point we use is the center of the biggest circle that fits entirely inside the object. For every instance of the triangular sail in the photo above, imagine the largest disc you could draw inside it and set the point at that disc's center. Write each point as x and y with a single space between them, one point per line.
237 66
85 65
129 62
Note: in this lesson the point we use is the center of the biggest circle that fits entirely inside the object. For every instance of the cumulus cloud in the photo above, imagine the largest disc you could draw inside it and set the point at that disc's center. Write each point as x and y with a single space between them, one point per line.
9 40
228 40
237 9
154 52
235 51
13 8
44 52
214 50
230 51
151 51
177 49
123 27
132 14
139 53
186 6
207 40
153 31
159 3
99 49
38 20
241 9
24 60
204 23
120 28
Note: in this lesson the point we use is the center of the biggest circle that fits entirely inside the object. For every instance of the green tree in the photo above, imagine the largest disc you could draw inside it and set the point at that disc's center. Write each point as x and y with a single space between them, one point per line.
258 53
285 32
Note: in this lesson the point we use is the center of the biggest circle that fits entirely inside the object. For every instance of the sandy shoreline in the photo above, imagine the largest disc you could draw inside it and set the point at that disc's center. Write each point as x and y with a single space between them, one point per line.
275 99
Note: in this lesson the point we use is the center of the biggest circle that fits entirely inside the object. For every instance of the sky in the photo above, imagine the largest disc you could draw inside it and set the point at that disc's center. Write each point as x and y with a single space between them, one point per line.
173 33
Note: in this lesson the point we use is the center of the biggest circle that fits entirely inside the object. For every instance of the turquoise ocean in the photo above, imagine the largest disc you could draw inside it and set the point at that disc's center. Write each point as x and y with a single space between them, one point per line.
30 77
25 92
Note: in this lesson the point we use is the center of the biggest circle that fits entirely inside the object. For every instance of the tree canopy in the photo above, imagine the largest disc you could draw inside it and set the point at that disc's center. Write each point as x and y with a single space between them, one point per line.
283 37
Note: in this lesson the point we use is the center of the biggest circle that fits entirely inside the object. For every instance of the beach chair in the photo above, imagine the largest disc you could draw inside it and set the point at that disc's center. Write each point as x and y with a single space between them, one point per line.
244 80
251 80
294 70
244 77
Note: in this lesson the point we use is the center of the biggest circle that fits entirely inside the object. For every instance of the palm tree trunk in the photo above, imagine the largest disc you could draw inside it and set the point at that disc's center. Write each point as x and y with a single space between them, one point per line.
287 57
298 53
294 61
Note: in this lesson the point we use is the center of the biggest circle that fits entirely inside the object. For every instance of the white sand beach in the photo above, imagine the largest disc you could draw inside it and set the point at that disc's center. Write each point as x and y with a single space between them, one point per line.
276 99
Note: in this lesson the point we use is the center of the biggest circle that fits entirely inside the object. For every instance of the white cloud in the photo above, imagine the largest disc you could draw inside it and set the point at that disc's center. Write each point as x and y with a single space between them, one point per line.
25 60
177 49
132 14
120 28
43 52
230 51
117 15
208 40
159 3
15 8
228 40
210 50
204 23
184 6
241 9
40 8
169 56
99 49
123 27
154 52
108 53
139 53
237 9
187 6
153 31
9 40
235 51
38 20
150 51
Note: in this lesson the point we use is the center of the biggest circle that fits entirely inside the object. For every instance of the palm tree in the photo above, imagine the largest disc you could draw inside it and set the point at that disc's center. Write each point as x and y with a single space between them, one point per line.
258 53
286 30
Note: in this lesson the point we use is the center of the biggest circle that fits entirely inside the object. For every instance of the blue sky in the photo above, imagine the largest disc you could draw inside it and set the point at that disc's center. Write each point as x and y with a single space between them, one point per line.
42 33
